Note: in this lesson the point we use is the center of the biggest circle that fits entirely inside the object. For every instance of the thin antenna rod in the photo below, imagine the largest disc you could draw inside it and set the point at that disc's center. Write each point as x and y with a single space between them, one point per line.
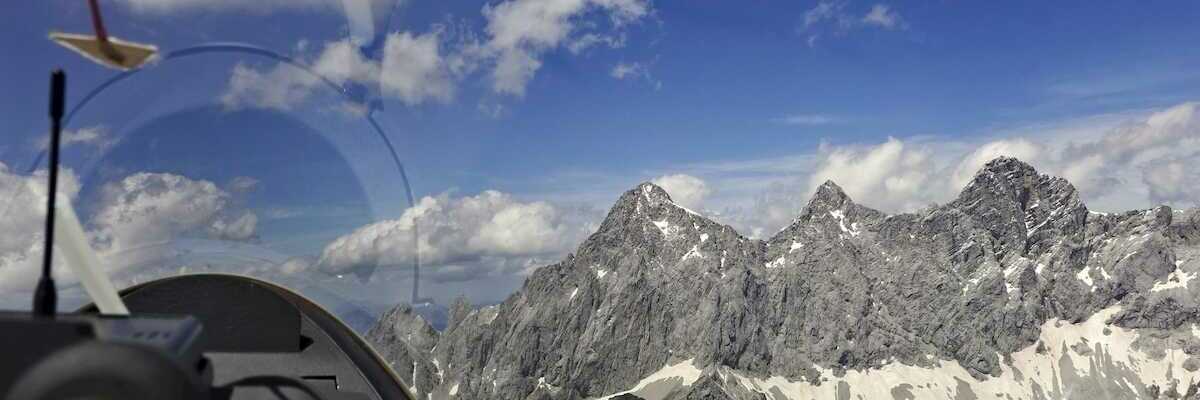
45 297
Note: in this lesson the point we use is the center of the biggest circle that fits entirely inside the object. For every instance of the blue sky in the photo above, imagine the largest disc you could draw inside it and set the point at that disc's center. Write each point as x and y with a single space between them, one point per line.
737 108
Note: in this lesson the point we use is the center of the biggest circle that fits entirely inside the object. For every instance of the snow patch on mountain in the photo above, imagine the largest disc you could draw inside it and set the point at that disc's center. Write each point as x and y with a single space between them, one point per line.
840 216
663 226
963 299
1176 280
664 381
1092 360
1085 276
795 246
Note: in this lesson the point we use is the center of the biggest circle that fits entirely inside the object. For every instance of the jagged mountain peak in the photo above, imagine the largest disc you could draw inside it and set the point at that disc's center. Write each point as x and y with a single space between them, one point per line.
641 197
1005 171
659 296
403 312
458 311
831 190
828 196
1025 212
647 201
645 193
652 192
404 323
830 210
1015 180
1003 164
1010 183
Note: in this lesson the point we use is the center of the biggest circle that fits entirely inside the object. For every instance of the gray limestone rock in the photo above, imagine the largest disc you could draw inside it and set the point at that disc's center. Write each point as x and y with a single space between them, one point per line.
844 287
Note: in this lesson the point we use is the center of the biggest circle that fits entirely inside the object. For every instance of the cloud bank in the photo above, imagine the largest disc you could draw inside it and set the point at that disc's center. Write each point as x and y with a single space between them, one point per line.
1136 162
139 210
464 238
686 190
417 68
833 18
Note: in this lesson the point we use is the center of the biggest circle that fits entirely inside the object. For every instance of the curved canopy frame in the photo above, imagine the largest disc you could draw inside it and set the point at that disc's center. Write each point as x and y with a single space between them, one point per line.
244 48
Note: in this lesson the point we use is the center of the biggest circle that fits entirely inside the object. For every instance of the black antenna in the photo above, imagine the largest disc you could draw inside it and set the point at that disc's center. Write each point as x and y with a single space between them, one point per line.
45 297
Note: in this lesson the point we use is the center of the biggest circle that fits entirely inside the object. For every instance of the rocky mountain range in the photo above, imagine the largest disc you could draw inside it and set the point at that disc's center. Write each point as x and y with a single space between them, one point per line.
1014 290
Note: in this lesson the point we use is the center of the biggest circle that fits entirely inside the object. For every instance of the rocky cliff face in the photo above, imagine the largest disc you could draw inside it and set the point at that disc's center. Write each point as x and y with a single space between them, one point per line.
1012 288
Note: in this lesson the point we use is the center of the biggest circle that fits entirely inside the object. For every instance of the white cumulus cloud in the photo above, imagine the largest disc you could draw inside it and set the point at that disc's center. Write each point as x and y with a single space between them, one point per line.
1117 162
97 137
234 228
965 170
139 210
413 71
1166 137
1141 162
520 31
832 18
634 70
281 87
588 40
1174 181
893 175
826 11
462 238
420 68
883 16
770 209
23 204
152 207
686 190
